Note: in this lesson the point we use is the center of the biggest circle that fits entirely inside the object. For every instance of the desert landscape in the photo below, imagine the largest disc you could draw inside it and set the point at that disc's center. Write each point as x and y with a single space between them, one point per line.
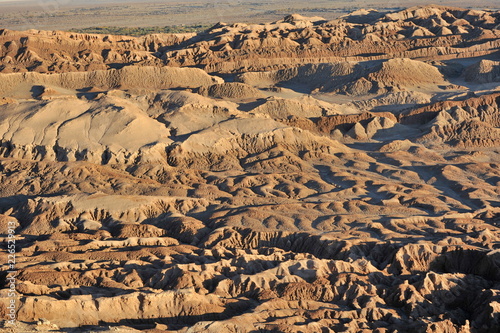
306 174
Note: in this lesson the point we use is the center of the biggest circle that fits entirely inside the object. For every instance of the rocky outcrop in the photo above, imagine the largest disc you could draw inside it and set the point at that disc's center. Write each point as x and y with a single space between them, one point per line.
430 32
125 78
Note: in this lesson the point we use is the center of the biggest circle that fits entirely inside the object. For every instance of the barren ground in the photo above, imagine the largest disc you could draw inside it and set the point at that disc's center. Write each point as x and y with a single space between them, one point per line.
308 174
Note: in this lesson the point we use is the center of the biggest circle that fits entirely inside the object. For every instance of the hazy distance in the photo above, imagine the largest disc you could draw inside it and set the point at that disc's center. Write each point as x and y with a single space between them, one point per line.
67 14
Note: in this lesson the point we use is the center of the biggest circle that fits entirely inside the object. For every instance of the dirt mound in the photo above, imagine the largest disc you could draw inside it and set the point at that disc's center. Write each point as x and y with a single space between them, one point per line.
484 102
400 98
406 72
471 122
281 108
323 77
352 78
234 90
184 112
114 132
457 128
394 75
222 146
484 71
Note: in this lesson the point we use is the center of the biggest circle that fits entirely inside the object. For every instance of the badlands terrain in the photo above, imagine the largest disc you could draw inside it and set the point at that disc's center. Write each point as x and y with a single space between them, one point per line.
302 175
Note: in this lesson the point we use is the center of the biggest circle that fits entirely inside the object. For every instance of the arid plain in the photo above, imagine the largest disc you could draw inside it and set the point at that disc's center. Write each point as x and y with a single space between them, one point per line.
307 174
69 14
